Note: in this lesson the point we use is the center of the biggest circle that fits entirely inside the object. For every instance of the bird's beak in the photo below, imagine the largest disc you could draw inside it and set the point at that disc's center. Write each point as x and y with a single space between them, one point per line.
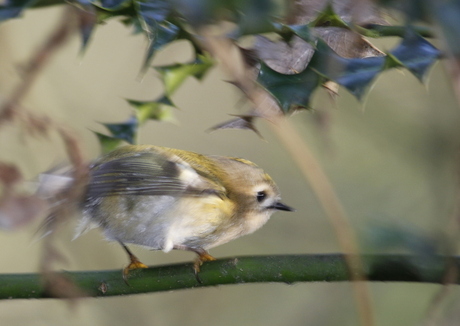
282 207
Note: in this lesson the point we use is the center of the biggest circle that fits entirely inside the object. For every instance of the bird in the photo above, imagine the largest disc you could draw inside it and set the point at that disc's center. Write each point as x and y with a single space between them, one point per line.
164 199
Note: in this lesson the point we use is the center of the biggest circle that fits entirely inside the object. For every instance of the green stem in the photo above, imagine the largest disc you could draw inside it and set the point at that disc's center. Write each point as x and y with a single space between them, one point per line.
376 31
286 269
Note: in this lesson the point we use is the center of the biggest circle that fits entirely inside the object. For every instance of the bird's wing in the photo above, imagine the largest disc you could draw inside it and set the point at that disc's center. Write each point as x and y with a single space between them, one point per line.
149 173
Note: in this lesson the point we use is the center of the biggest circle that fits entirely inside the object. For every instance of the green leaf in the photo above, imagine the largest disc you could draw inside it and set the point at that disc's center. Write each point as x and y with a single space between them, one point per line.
253 16
447 14
291 91
107 143
174 75
160 32
160 110
401 238
114 4
354 74
163 34
287 31
126 131
415 10
13 8
87 21
328 17
416 54
154 10
197 12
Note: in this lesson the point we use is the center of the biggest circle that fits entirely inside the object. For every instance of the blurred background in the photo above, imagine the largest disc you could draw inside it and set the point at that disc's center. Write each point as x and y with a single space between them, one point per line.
392 159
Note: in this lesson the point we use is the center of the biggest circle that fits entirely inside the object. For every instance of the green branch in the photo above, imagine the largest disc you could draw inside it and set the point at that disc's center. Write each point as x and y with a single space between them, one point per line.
286 269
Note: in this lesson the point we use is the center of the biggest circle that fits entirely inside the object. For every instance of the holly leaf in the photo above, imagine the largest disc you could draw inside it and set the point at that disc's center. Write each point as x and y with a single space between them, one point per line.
174 75
401 237
416 54
244 122
160 110
354 74
328 17
125 131
447 14
153 10
107 143
152 16
114 4
163 34
13 8
87 19
253 16
291 91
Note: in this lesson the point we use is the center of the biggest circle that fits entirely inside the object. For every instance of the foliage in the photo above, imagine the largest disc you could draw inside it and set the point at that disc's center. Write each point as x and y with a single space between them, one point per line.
308 50
296 50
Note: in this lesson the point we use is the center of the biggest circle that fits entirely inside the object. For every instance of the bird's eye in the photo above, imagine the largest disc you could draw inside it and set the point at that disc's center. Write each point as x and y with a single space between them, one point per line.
261 196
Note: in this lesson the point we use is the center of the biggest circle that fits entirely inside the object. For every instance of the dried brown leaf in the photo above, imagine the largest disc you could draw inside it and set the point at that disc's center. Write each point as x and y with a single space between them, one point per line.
347 43
244 122
282 57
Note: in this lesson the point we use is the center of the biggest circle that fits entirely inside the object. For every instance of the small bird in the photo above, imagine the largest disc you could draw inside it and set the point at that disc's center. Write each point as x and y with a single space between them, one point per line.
164 199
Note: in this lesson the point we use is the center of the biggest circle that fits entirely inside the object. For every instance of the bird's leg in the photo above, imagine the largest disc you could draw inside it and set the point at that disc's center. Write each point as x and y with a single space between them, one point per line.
135 263
203 256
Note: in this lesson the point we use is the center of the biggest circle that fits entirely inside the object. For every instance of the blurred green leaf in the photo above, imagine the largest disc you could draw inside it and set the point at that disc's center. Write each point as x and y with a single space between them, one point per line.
254 16
87 19
160 110
401 239
174 75
447 14
153 10
115 4
164 34
287 31
416 54
107 143
413 9
354 74
13 8
197 12
126 131
328 17
291 91
159 31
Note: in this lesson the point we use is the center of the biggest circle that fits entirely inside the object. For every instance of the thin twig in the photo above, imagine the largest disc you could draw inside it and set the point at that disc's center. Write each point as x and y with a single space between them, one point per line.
265 106
66 201
38 61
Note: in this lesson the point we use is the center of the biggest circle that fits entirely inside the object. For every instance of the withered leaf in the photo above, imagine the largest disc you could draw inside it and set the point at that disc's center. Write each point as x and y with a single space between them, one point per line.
245 122
347 43
282 57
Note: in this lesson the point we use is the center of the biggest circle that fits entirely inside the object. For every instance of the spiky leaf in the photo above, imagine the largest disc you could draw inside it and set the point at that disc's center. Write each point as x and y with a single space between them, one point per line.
174 75
126 131
291 91
160 110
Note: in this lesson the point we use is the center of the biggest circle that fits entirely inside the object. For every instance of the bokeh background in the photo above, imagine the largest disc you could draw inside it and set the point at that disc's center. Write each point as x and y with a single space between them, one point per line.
391 158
